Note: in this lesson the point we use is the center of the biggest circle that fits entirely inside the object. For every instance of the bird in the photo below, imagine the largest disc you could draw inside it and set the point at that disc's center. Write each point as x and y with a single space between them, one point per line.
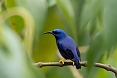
67 47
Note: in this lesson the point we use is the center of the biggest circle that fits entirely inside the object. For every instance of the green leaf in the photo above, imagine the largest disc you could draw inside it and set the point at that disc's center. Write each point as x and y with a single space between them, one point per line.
110 23
47 44
38 12
95 51
29 22
38 9
90 11
59 73
51 3
67 10
14 62
16 22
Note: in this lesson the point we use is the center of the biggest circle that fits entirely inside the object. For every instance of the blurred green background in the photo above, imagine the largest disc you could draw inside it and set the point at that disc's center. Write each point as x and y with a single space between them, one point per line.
92 24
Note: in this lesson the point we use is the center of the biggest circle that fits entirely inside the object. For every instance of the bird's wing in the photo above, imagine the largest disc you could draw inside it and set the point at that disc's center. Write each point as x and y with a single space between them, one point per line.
78 53
75 47
64 51
69 51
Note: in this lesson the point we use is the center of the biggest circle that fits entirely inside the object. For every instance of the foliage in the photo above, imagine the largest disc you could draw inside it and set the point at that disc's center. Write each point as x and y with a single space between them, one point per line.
92 24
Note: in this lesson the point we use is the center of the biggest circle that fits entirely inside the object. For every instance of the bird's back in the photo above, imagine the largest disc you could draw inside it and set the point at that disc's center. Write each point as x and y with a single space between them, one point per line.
67 42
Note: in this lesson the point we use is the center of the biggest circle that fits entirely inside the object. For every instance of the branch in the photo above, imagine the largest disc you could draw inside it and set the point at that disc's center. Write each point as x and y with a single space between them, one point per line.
84 63
107 67
43 64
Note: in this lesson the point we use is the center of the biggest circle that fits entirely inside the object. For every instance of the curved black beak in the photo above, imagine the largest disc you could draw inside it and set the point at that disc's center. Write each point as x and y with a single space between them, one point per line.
49 32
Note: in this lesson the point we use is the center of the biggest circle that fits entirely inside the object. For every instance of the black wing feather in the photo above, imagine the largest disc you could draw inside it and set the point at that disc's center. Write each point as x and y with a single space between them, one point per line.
67 54
78 52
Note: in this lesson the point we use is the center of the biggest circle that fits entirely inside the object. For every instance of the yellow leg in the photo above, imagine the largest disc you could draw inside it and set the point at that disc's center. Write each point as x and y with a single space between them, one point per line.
62 61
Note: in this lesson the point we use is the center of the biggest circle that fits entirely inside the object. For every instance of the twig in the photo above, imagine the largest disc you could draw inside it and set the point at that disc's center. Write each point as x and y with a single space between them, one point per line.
84 63
107 67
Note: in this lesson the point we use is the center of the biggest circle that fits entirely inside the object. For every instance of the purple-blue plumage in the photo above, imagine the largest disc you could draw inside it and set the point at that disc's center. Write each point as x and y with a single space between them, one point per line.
67 47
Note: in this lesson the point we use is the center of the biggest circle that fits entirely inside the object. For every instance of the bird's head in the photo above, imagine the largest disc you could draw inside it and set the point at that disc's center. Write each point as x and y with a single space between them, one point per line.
58 33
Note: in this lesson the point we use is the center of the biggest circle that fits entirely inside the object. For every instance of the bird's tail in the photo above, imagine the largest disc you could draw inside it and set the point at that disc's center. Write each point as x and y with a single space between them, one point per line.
78 66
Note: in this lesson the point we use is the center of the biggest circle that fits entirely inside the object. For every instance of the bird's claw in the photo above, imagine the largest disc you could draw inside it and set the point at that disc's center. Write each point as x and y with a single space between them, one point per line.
62 61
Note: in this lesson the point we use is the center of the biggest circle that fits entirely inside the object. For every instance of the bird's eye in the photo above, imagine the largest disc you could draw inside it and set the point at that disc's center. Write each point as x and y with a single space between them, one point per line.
55 32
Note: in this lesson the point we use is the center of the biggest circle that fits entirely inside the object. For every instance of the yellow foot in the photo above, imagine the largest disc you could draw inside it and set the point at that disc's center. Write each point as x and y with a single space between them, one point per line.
62 61
73 63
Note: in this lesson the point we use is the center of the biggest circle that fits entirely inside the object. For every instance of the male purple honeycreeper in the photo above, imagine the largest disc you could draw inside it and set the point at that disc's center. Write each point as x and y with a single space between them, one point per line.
67 47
